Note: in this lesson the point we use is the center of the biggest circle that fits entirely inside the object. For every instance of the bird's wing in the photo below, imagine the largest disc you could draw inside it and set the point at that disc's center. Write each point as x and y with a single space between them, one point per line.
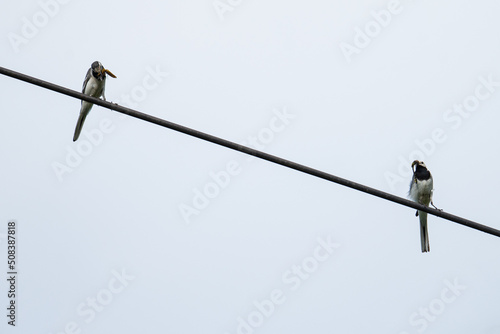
412 184
87 78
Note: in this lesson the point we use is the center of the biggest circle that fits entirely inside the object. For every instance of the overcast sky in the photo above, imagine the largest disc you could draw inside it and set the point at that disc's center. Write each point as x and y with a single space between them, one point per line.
136 228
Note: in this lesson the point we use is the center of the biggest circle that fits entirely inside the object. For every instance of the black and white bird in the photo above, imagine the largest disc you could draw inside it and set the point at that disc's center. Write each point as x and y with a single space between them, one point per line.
421 188
93 85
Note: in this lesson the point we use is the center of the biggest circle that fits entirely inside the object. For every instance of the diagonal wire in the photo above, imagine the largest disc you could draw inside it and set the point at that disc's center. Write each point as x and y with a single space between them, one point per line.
250 151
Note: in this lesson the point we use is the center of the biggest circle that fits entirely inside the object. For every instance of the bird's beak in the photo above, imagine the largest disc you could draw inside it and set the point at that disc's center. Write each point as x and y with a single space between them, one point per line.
415 162
108 72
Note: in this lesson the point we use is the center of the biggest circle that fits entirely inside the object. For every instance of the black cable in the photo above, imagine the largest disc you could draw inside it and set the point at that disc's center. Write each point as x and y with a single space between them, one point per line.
250 151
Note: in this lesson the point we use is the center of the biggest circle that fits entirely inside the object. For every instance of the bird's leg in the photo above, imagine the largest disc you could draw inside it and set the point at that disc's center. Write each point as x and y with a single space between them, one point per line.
436 207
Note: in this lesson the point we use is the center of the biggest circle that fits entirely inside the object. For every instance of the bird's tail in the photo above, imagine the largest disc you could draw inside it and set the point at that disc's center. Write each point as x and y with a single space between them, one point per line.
424 234
79 125
84 111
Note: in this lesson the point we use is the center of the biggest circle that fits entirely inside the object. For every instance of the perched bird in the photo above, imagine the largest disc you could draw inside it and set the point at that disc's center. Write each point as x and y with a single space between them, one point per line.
421 188
94 83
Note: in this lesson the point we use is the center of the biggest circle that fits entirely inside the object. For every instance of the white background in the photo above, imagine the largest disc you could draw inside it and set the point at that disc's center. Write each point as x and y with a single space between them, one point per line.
93 210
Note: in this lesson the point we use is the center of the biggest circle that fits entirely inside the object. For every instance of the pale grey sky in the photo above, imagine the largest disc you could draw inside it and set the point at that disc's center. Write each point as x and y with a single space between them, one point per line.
136 228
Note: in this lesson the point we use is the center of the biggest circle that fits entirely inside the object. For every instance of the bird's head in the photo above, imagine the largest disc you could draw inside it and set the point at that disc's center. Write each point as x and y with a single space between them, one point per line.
418 164
99 71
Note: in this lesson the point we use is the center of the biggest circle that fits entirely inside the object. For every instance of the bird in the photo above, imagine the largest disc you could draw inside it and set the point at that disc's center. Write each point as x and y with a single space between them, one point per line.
93 85
421 189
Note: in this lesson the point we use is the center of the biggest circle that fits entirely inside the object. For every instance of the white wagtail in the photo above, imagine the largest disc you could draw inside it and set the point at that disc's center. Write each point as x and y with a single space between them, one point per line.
94 86
421 188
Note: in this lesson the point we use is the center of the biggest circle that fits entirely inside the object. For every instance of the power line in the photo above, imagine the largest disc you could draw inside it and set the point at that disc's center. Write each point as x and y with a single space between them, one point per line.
250 151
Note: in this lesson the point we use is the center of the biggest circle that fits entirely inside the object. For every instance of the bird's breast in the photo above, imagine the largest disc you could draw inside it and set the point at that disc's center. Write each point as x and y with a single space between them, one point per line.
421 191
94 87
